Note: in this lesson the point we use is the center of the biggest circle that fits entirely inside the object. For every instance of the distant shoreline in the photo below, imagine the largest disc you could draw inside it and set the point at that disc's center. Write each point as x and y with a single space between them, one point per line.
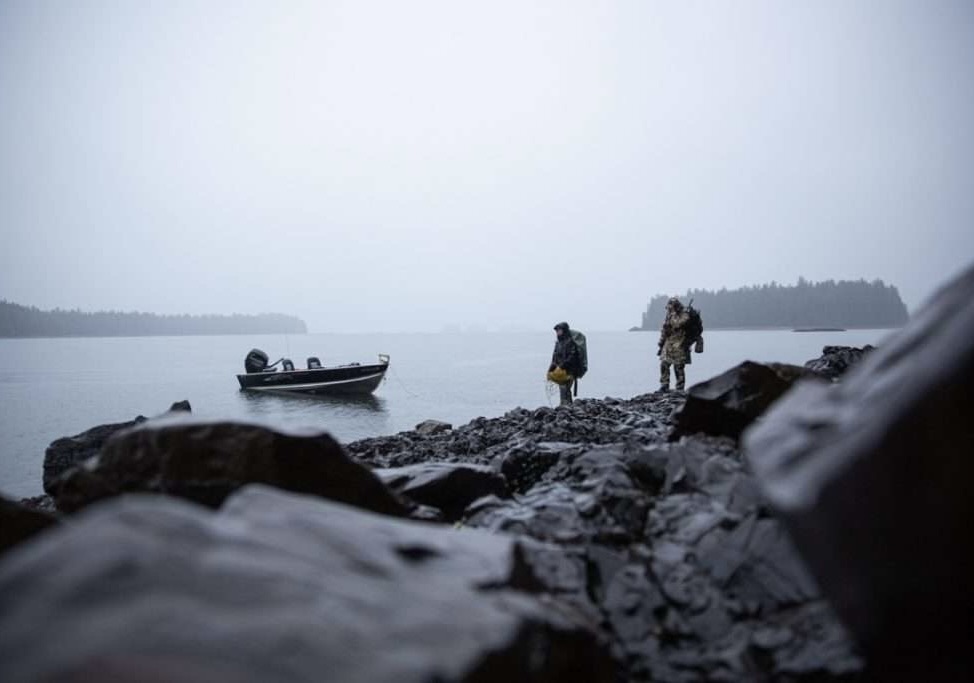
787 328
29 322
143 336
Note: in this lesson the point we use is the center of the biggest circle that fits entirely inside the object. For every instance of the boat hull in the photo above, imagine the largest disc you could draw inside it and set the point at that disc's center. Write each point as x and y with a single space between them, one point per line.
342 380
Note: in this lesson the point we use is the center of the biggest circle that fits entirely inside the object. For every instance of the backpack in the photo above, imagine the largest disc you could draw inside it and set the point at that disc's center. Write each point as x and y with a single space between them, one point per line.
694 328
581 344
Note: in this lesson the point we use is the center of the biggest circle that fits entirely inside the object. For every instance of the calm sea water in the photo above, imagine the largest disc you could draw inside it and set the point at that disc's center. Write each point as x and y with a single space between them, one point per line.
56 387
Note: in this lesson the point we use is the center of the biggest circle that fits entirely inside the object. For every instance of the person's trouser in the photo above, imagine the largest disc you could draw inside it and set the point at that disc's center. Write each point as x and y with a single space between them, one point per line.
566 392
679 369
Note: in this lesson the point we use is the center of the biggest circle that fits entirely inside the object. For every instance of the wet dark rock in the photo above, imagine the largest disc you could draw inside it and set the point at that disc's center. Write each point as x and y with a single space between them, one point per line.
526 462
448 487
729 402
205 461
428 427
835 361
280 587
19 522
68 451
669 544
872 477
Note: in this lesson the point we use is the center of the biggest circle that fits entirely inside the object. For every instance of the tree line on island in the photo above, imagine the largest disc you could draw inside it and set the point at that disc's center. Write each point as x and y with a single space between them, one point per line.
828 304
23 321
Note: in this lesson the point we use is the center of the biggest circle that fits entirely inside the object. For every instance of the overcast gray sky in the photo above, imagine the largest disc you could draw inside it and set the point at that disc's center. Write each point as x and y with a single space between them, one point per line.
399 166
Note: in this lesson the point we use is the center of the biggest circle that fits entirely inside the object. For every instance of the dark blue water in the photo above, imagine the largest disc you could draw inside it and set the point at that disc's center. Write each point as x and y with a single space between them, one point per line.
56 387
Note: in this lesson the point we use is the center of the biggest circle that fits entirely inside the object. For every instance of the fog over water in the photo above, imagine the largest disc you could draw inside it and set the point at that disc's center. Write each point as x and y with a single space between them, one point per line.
418 166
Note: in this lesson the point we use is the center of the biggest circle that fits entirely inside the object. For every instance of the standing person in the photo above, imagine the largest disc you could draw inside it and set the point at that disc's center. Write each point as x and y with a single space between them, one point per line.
566 357
673 348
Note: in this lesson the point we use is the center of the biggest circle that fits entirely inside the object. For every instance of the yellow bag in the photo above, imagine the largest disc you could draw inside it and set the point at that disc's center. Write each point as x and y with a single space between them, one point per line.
559 376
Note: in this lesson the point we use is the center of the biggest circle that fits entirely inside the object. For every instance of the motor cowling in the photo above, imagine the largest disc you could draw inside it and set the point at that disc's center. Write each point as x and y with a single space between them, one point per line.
255 361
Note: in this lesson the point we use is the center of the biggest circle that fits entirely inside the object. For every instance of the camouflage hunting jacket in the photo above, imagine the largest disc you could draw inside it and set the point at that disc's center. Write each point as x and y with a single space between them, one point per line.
673 337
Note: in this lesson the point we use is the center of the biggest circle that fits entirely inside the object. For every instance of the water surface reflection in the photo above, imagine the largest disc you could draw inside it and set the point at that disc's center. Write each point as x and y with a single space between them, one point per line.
348 418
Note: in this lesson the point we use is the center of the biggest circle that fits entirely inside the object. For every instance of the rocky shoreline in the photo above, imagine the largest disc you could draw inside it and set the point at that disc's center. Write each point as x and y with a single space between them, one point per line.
663 552
608 540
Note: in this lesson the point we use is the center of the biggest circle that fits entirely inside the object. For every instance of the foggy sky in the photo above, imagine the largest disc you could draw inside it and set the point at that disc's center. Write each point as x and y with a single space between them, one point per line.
400 166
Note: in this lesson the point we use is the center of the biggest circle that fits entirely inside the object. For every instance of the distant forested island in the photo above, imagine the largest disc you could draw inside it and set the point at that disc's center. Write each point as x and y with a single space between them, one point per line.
24 321
828 304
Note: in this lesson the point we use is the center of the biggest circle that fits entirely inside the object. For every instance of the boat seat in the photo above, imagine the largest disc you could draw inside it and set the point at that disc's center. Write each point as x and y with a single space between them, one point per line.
286 364
314 363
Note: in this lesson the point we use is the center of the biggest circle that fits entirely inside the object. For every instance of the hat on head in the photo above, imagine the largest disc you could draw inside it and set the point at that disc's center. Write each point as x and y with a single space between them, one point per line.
562 326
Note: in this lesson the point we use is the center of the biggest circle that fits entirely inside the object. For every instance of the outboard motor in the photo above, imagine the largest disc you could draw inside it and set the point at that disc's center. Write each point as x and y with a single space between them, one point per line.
255 361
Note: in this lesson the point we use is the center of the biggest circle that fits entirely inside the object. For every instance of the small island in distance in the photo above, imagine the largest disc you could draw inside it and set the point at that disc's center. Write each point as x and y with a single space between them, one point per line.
805 306
17 321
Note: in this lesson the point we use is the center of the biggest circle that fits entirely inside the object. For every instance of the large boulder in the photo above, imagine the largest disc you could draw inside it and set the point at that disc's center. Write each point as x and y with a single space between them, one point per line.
729 402
280 587
68 451
872 477
205 461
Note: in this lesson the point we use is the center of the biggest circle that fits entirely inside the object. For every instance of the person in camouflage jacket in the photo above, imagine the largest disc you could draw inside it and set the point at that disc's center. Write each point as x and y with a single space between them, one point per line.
673 347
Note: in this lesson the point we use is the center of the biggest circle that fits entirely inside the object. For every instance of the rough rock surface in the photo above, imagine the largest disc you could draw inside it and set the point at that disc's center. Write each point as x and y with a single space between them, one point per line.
428 427
448 487
281 587
485 440
68 451
835 361
665 551
668 545
205 461
873 476
729 402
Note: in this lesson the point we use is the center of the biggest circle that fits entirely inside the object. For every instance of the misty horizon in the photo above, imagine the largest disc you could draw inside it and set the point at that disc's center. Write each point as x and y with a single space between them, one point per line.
430 166
655 302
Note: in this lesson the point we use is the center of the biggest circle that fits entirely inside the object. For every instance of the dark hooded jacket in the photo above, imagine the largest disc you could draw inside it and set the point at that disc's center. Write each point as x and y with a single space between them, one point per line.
565 354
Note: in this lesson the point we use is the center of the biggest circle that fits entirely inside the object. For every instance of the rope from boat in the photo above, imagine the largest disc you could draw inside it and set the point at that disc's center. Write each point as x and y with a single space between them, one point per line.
398 379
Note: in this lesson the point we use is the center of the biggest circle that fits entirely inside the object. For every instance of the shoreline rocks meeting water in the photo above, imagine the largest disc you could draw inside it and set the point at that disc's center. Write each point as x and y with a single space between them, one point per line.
665 537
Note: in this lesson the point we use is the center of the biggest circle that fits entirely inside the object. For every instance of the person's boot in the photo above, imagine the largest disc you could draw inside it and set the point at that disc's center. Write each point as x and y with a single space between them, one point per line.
664 388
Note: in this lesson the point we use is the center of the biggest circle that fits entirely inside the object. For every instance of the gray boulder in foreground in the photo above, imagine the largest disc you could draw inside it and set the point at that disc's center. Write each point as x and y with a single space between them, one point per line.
279 587
873 478
205 461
